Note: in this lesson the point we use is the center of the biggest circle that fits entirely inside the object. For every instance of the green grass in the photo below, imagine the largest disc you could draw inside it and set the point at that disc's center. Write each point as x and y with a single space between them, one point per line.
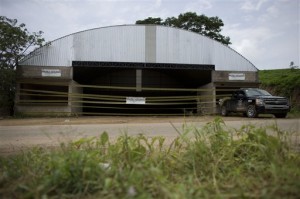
281 81
209 162
295 113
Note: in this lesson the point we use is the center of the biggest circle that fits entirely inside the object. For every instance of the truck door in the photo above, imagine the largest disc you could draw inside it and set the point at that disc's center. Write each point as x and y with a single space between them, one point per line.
241 101
232 103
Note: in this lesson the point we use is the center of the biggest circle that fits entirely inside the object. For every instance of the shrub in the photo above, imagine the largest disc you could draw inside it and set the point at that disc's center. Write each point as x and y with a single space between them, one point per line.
210 162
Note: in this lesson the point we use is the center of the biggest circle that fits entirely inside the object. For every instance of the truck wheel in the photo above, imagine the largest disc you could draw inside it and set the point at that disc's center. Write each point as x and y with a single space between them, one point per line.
224 111
251 111
280 115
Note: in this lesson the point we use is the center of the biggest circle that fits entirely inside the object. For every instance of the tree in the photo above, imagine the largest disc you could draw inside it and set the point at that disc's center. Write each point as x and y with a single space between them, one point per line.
292 66
208 26
15 41
150 20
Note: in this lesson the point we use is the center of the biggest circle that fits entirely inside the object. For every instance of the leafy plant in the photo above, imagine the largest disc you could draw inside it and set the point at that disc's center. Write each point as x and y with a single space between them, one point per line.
283 82
209 162
15 41
208 26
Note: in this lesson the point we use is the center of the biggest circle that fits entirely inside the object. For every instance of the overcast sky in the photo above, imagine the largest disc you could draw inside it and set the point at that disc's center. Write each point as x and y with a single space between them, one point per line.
266 32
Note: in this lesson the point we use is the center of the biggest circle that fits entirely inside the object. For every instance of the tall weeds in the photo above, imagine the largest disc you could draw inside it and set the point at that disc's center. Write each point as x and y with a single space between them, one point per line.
210 162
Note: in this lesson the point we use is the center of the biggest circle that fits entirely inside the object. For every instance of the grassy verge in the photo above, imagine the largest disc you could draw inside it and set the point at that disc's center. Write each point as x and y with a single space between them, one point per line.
282 82
211 162
294 114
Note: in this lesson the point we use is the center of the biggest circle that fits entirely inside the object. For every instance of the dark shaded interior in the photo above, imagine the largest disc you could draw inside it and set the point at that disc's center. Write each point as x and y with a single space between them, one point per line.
113 100
37 94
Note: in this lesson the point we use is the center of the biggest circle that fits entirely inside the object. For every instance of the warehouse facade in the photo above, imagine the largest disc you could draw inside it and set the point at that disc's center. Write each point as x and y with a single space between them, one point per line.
126 69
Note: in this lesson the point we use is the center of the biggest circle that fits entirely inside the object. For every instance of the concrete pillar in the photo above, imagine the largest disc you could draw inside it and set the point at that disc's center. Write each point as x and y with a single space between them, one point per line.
138 80
17 97
206 101
75 98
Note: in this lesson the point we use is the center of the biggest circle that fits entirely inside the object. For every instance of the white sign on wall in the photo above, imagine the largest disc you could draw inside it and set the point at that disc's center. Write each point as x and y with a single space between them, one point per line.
51 73
135 100
236 76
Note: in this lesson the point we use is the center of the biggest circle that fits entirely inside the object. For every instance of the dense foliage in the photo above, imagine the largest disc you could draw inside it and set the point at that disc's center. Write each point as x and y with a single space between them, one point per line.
284 82
15 40
211 162
208 26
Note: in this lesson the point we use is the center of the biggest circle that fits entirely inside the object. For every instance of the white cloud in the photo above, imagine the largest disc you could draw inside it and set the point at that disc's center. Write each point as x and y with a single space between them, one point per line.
270 13
199 5
251 42
158 3
249 39
267 37
264 31
253 5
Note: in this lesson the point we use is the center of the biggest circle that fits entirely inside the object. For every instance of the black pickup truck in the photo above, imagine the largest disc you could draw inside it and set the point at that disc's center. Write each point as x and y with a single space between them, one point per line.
253 101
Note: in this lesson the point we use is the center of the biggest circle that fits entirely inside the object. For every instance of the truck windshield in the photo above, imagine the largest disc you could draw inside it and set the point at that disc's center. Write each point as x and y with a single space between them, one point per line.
256 92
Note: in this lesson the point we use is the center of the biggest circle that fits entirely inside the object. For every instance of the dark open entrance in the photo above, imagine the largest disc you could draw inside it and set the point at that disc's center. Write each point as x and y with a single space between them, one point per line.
139 79
43 94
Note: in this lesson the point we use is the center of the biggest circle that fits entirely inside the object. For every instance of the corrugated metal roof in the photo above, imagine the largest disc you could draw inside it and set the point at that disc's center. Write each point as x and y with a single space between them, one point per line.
139 43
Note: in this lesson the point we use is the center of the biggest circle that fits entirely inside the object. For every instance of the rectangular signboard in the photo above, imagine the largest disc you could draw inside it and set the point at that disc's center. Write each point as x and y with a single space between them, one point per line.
236 76
51 73
135 100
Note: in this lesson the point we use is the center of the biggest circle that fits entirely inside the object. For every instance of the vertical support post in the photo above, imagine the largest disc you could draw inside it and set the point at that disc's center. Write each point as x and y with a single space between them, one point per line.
206 101
74 98
138 80
214 99
70 103
17 98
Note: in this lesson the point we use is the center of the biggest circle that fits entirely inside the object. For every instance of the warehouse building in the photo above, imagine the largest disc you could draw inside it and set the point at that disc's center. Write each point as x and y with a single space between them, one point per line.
130 69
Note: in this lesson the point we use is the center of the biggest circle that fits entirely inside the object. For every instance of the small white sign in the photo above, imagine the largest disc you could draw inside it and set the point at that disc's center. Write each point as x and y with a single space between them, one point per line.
51 73
135 100
236 76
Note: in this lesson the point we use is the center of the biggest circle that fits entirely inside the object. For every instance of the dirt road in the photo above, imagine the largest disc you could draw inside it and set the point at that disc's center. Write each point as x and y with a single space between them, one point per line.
19 134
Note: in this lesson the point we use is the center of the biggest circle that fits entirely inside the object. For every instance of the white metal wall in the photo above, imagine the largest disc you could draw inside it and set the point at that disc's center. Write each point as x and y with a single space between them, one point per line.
59 53
127 44
179 46
115 44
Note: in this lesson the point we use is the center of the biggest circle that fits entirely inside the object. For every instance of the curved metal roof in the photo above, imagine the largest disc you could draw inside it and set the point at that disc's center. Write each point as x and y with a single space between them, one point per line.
139 44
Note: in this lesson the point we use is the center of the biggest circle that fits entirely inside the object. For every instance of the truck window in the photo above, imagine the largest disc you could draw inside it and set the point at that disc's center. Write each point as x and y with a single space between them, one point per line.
256 92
